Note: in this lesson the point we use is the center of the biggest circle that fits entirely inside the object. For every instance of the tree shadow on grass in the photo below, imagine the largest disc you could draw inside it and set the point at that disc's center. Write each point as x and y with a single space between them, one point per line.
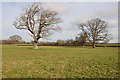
30 48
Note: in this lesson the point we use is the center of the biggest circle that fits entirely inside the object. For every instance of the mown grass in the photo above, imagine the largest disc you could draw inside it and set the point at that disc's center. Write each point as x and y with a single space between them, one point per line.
59 62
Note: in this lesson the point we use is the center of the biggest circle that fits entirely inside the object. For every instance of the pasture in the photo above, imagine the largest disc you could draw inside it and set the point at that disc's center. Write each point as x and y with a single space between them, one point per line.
59 62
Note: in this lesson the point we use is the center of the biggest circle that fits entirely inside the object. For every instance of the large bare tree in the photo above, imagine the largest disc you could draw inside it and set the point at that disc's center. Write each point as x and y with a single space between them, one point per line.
38 21
96 31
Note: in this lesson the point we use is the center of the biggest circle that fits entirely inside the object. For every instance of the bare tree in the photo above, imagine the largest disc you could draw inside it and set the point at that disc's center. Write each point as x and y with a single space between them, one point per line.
15 38
38 21
96 31
82 38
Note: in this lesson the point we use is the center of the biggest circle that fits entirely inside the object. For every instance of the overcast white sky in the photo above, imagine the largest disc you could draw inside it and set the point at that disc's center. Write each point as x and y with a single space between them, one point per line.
70 13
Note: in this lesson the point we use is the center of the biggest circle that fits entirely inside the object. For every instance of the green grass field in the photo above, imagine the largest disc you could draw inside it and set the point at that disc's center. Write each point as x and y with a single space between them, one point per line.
59 62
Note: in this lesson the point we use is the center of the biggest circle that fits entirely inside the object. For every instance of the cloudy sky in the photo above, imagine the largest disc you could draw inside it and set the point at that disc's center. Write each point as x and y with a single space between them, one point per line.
70 12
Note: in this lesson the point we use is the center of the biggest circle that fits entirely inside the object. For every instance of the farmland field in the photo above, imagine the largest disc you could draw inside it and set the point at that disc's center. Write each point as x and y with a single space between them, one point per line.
59 62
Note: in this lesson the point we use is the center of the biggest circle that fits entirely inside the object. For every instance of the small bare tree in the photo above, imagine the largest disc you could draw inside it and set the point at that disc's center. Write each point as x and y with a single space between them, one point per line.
82 38
96 31
15 38
38 21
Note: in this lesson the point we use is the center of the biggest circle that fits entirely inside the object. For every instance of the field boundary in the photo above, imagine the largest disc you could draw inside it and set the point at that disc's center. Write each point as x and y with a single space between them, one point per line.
69 45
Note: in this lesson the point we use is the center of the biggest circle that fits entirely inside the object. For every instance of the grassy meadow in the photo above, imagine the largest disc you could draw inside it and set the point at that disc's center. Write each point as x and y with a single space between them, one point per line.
59 62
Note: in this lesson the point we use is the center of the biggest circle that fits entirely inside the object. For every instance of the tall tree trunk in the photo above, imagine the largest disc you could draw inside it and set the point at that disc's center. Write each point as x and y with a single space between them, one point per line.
84 43
35 45
83 46
93 44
